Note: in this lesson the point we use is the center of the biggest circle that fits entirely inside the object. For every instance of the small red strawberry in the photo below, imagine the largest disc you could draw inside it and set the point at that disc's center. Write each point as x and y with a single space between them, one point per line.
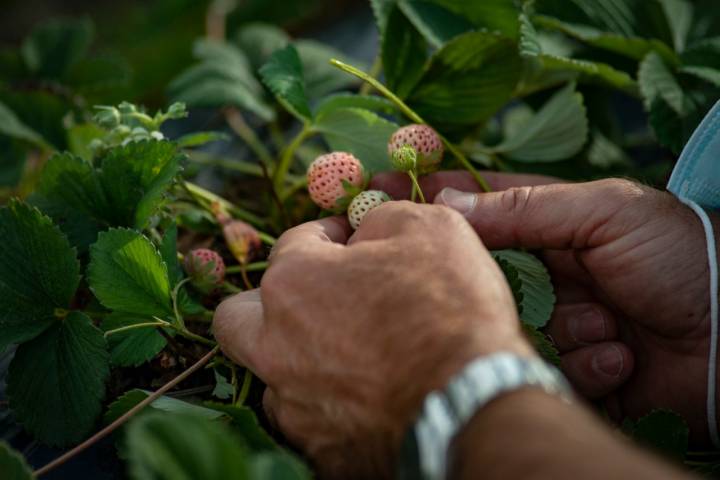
206 269
424 140
332 178
363 203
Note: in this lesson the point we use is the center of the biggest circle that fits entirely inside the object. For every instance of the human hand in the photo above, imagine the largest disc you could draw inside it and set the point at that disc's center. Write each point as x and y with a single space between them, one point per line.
350 338
628 262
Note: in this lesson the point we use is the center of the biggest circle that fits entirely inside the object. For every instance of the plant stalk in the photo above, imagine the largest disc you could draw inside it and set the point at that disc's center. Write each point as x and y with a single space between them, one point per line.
416 186
288 155
414 117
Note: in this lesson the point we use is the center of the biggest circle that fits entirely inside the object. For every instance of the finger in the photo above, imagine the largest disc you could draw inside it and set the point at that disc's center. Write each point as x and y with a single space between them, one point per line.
331 232
269 403
560 216
237 326
393 219
597 370
577 325
398 186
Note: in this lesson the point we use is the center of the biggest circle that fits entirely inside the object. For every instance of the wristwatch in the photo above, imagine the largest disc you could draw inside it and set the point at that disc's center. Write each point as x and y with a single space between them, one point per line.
426 447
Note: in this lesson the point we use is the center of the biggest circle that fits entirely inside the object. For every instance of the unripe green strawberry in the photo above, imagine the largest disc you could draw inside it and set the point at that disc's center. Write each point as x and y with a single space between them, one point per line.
427 144
404 159
363 203
332 178
205 268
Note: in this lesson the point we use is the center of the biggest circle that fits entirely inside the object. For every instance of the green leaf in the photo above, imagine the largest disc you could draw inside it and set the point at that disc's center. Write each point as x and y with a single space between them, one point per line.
11 126
278 466
223 389
543 345
99 76
557 132
39 272
360 132
468 80
56 45
127 274
42 111
126 191
705 53
129 399
603 153
615 16
71 193
232 61
283 75
169 253
79 138
199 139
214 92
588 72
656 80
373 103
679 15
437 24
321 78
245 422
56 382
673 130
493 15
260 40
710 75
135 178
403 50
663 431
224 77
163 446
12 465
531 285
630 46
133 347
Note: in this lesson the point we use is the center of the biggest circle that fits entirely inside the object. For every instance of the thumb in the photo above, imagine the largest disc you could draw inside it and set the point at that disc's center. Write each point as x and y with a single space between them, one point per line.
237 326
560 216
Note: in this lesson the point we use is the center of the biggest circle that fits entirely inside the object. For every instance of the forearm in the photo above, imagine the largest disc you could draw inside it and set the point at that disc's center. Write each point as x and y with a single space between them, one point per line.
529 434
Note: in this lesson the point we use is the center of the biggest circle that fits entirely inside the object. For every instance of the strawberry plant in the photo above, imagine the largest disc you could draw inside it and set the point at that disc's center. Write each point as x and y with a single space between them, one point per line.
115 254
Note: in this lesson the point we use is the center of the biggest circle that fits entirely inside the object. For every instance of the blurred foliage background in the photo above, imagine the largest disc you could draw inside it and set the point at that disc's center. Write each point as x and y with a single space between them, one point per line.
154 38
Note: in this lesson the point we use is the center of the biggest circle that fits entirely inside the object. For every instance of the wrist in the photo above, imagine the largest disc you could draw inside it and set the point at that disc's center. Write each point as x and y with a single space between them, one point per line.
446 412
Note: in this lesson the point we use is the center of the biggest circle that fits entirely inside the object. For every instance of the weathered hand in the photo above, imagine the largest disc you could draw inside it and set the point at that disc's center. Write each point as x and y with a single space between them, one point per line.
350 338
627 260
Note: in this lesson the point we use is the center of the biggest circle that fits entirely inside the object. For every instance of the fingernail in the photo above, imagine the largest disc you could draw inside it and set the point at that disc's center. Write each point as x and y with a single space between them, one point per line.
587 327
461 201
608 362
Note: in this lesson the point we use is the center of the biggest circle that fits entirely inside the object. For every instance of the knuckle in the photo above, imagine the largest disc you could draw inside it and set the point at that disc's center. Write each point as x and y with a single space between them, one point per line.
517 199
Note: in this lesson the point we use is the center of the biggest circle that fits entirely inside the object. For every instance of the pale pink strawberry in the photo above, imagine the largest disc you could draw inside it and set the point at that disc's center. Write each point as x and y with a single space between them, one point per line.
326 175
363 203
206 269
426 142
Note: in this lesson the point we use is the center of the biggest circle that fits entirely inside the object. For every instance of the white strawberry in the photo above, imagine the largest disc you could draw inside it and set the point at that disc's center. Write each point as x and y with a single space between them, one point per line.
426 142
363 203
333 178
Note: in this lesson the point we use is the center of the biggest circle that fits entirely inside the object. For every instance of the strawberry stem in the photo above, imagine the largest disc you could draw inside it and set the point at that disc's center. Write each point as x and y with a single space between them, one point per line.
245 389
159 323
416 186
127 415
414 117
288 155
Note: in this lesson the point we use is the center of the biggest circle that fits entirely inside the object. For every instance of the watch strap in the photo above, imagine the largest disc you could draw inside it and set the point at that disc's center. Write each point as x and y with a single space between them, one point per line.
424 453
